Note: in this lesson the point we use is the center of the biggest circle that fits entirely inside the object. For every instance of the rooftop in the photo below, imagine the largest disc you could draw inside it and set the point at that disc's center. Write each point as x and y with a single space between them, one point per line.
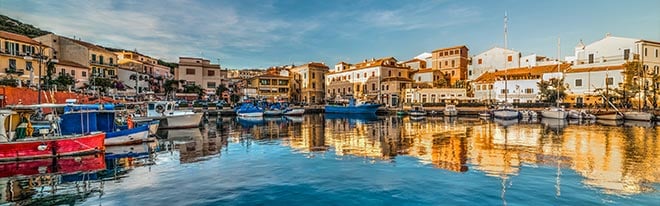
17 37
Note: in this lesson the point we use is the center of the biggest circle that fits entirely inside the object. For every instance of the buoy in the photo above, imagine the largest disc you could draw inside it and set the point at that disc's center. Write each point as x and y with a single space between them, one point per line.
42 147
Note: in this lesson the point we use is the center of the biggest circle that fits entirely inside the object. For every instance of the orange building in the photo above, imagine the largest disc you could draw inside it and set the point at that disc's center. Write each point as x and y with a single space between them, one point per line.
452 61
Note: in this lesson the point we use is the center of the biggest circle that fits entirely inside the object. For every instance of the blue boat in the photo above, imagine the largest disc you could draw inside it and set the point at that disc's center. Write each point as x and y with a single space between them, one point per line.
352 108
249 110
83 119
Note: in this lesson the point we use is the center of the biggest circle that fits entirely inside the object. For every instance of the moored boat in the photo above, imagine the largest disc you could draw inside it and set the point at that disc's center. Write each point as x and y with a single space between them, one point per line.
505 111
296 111
249 110
554 113
417 111
608 115
638 116
450 110
353 108
171 119
81 119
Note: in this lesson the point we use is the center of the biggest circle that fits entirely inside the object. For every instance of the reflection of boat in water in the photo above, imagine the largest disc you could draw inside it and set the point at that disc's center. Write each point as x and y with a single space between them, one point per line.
112 152
352 117
248 122
554 123
180 134
62 165
505 122
607 122
632 123
417 118
294 119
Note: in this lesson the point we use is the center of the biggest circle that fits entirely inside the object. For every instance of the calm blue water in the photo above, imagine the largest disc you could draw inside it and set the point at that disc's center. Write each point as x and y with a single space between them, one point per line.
372 161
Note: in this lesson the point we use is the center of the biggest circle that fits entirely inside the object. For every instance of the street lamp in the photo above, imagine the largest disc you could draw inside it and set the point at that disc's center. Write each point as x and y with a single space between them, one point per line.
41 61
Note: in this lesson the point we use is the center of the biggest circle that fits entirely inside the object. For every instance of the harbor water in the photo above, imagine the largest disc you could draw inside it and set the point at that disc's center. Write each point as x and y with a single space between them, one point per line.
358 160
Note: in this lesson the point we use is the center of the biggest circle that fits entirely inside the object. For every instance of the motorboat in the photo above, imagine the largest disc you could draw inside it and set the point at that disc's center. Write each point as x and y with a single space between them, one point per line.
417 111
249 110
450 110
573 114
554 113
170 118
608 115
82 119
295 111
505 111
353 108
637 116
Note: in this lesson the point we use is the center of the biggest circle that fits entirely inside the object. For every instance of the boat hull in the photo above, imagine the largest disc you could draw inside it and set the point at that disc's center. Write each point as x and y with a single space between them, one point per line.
417 113
505 114
128 136
554 114
272 112
250 114
638 116
609 116
295 112
450 112
64 146
361 109
182 121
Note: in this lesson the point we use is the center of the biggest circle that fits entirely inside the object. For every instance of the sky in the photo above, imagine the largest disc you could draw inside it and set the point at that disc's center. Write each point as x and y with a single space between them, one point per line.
262 33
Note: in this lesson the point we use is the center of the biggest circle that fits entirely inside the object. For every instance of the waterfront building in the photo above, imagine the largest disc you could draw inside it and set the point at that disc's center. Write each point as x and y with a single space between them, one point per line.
452 61
436 95
19 57
520 85
135 82
493 59
364 80
199 71
79 72
533 60
585 83
272 87
101 62
134 60
415 64
425 78
244 73
308 82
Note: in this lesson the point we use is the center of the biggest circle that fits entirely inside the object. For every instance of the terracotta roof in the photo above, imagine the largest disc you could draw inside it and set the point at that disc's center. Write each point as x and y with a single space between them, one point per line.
269 75
454 47
595 69
413 60
521 71
17 37
373 63
425 70
70 63
316 64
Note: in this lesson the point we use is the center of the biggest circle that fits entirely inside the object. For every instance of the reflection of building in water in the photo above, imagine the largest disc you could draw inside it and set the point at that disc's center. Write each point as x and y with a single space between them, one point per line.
308 136
194 144
376 139
436 142
619 160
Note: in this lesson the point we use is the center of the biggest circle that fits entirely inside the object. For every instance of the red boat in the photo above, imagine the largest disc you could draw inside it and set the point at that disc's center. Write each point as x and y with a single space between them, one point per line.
17 142
64 165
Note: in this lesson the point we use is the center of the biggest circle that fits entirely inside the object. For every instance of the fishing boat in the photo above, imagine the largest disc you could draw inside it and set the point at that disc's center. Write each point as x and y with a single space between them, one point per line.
295 111
249 110
417 111
273 110
554 113
353 108
505 111
81 119
169 118
19 144
450 110
637 116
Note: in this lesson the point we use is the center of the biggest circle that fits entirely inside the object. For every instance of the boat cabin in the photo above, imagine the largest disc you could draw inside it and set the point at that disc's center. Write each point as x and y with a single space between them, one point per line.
160 108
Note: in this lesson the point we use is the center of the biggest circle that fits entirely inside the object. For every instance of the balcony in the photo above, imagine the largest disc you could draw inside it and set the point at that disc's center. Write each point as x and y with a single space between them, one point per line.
14 71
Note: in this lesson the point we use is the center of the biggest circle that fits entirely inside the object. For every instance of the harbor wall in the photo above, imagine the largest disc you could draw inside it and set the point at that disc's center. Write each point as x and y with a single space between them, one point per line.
12 95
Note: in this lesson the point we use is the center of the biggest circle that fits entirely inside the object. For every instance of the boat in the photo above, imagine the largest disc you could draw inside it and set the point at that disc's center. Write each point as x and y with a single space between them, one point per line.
353 108
401 112
505 111
573 114
635 123
81 119
417 111
554 123
450 110
272 112
417 118
169 118
608 115
61 165
19 144
637 116
486 114
249 110
153 125
296 111
554 113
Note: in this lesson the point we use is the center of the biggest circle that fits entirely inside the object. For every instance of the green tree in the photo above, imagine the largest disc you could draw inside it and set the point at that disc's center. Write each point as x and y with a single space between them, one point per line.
222 88
63 81
552 90
102 84
440 82
193 89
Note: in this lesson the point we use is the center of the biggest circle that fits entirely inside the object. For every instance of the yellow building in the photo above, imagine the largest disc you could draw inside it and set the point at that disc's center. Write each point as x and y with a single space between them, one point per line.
19 57
310 82
199 71
271 86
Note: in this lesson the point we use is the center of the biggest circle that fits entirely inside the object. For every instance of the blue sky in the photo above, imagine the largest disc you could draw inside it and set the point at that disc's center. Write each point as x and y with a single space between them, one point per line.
257 34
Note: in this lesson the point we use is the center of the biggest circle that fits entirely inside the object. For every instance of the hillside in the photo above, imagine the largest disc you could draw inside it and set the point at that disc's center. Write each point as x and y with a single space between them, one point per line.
15 26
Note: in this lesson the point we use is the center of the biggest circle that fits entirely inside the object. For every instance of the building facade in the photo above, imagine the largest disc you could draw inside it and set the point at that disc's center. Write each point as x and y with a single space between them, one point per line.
517 85
271 87
309 82
436 95
452 61
493 59
79 72
19 58
199 71
363 80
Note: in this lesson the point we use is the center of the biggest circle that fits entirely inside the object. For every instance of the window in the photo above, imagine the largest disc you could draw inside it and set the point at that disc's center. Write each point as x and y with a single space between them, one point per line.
446 63
284 82
210 84
373 87
451 52
12 64
84 74
609 81
656 52
389 73
399 73
313 75
190 71
578 82
264 82
73 73
358 75
479 61
62 71
529 91
373 74
591 58
111 72
210 73
509 58
111 61
100 59
452 63
28 66
626 54
490 86
470 72
313 85
656 69
505 91
93 57
646 51
387 87
305 76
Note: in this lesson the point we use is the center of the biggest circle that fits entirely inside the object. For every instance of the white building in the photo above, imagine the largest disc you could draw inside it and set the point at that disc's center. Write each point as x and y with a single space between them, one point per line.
131 79
584 83
493 59
533 60
436 95
517 85
608 51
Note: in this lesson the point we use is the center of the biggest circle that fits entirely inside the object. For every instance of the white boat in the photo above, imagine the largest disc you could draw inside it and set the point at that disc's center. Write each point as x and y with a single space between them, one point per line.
450 110
485 114
169 118
608 115
417 111
638 116
272 112
573 114
417 118
505 111
554 113
128 136
153 125
554 123
294 111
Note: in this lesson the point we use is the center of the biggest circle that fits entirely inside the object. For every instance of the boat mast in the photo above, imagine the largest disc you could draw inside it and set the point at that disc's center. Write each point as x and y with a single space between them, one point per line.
558 68
506 88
